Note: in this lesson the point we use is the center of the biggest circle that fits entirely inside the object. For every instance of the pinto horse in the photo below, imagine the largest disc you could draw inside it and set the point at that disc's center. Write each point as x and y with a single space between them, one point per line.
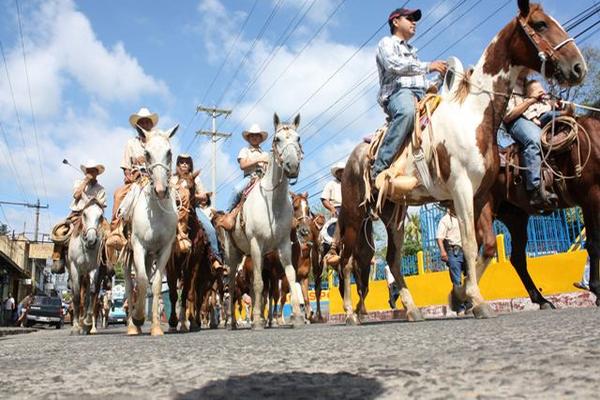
512 207
463 134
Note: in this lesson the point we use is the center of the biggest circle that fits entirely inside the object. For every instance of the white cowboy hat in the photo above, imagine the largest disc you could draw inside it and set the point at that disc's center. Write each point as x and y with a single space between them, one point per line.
143 113
337 167
255 129
91 164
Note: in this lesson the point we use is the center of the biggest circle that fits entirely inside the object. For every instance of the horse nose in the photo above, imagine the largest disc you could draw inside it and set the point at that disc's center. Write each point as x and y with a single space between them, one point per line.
160 190
578 71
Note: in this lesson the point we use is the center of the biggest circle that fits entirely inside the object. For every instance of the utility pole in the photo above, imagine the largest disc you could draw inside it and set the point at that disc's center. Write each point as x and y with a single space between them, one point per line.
37 207
215 136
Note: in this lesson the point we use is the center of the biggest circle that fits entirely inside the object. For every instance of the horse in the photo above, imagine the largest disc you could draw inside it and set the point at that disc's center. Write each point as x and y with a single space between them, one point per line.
153 230
305 247
461 144
83 258
265 220
510 204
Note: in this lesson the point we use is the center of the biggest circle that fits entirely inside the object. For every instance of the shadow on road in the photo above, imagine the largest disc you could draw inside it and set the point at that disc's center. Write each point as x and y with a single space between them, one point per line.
289 385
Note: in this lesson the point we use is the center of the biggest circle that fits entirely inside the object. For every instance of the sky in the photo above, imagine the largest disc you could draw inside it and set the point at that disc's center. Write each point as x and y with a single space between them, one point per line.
73 71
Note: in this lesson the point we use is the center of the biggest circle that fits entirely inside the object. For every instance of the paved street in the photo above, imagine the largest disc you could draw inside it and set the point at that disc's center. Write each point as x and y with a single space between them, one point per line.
549 354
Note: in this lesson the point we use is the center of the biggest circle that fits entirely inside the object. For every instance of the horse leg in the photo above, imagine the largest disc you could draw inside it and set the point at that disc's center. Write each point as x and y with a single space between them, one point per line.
516 221
591 217
257 284
92 295
141 280
394 259
285 256
161 262
76 290
233 260
172 276
464 204
307 309
351 317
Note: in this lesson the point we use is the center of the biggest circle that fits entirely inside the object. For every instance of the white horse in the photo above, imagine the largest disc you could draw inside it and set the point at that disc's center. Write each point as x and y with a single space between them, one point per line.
265 221
153 229
82 259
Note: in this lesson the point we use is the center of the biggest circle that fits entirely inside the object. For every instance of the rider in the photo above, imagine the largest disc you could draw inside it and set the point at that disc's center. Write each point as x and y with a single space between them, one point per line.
84 191
253 161
332 200
132 164
525 117
402 81
184 168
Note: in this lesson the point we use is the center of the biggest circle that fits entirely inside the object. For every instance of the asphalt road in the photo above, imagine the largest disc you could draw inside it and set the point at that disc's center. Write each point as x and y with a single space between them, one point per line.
540 354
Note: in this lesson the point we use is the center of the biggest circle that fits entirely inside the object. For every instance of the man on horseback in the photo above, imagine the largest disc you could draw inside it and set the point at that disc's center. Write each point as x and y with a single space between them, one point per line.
84 191
253 160
402 81
331 197
525 118
133 164
180 181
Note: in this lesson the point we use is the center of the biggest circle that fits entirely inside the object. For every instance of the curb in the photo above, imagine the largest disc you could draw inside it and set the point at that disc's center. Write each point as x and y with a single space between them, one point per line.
577 299
15 331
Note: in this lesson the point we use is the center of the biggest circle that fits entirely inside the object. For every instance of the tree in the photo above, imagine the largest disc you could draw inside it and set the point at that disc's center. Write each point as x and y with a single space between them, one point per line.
119 273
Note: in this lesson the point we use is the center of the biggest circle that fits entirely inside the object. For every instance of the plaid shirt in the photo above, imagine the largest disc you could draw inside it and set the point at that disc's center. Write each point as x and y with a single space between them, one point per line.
399 67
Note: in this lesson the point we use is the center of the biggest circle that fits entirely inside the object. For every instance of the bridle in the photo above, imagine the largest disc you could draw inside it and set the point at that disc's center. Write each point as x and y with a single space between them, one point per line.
278 154
307 218
546 52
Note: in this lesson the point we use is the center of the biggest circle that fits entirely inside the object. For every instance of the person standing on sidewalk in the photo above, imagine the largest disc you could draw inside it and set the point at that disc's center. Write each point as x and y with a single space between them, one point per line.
8 309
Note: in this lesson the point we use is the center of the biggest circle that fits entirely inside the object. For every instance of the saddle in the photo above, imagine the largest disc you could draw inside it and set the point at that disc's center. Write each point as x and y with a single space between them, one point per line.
229 220
398 184
554 144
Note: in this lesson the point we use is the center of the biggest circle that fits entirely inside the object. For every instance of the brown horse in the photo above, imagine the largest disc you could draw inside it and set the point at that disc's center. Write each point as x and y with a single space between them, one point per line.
463 134
510 204
305 248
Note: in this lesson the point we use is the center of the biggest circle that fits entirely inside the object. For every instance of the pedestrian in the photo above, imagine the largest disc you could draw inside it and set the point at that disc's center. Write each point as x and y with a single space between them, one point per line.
247 301
393 289
451 252
584 283
23 308
9 308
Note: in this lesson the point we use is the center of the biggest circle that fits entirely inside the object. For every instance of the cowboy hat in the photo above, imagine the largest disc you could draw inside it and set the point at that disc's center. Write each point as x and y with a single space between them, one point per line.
91 164
143 113
337 167
253 130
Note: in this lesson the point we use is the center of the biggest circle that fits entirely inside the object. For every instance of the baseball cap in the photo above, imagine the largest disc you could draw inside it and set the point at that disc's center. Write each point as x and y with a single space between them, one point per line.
405 12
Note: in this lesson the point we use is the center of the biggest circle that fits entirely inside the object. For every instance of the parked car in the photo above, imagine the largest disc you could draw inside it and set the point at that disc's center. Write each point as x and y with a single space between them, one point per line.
46 310
117 314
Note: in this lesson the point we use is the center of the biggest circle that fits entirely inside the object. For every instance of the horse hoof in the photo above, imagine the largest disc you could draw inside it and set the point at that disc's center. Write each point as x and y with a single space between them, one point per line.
352 320
547 306
133 330
414 315
137 322
597 301
93 331
75 332
156 331
297 322
259 325
483 310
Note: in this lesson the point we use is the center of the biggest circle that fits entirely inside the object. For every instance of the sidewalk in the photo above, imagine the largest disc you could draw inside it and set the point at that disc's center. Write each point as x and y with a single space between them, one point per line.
14 330
503 306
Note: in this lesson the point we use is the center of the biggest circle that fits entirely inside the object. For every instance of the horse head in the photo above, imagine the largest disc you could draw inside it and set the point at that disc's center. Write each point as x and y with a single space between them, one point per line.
91 220
287 150
158 158
302 214
542 44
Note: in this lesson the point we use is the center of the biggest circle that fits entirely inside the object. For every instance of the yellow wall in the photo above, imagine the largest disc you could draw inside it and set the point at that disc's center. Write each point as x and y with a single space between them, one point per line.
552 274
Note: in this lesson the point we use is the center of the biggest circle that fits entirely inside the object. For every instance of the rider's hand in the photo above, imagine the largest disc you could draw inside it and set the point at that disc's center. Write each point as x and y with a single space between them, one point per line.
444 256
264 158
438 66
538 94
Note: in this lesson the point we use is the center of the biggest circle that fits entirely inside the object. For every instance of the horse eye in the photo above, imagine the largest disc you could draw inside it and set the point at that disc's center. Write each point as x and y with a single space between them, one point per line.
276 140
540 26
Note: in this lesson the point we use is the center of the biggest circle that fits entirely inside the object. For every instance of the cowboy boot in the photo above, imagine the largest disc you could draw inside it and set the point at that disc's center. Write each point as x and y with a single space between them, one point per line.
227 221
399 184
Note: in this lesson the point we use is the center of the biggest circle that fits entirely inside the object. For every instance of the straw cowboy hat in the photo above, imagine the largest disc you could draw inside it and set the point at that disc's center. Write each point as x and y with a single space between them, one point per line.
337 167
255 129
91 164
143 113
186 157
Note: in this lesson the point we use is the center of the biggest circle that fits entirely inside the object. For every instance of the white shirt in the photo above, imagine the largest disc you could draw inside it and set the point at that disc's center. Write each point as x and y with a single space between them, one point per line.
388 275
9 304
448 230
251 153
333 192
90 192
134 153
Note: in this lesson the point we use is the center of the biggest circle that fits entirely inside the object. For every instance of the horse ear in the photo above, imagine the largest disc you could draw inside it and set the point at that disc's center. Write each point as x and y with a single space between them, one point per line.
305 194
141 131
276 120
171 132
297 121
524 7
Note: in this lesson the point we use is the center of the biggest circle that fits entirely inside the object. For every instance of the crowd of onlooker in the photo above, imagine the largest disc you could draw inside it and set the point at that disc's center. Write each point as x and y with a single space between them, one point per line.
13 313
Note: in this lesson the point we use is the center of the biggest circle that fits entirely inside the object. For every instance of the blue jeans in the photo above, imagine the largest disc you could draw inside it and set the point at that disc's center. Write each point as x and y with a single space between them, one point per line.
456 264
211 233
547 116
527 134
401 110
238 190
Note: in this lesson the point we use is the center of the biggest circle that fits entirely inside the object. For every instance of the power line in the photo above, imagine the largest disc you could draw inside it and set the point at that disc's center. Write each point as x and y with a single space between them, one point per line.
578 15
584 16
586 29
11 163
33 121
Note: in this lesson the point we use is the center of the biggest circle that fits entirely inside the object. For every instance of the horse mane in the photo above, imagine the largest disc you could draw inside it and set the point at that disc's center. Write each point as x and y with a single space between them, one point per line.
464 87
